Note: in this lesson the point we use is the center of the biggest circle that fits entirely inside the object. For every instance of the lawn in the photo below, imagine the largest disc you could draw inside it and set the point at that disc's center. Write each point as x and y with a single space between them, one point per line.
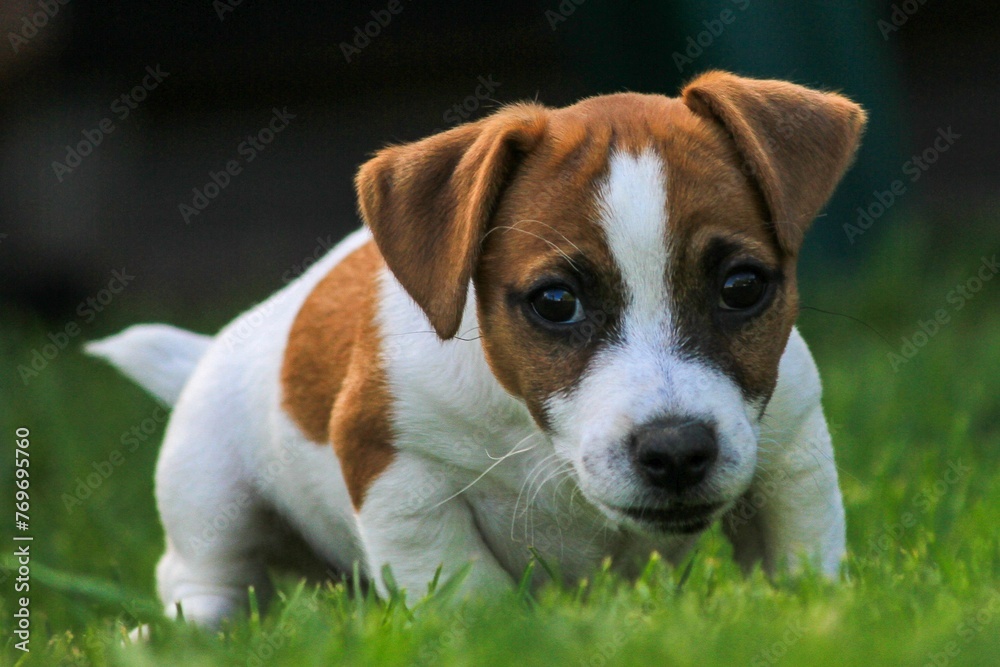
918 445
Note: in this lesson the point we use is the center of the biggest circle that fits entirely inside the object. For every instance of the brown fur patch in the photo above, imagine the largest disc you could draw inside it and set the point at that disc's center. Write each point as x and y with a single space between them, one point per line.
321 340
545 233
361 423
717 220
332 378
795 143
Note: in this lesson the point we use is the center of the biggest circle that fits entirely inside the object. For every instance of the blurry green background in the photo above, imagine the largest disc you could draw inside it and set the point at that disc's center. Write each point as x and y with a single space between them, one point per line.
899 419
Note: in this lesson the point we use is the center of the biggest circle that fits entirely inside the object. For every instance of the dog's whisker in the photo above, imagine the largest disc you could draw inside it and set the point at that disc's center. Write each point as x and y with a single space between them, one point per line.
540 238
498 461
500 458
529 506
538 467
528 511
567 473
562 470
524 484
431 331
549 477
545 224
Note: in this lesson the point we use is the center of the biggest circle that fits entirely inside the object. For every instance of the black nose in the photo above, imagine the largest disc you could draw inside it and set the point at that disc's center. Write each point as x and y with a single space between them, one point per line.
674 454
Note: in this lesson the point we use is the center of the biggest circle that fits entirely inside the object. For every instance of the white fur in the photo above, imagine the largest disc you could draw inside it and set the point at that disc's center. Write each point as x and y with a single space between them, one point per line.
474 477
794 506
633 217
159 357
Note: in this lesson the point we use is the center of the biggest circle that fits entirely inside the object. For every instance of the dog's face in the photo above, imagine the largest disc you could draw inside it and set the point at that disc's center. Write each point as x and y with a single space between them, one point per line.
633 264
639 305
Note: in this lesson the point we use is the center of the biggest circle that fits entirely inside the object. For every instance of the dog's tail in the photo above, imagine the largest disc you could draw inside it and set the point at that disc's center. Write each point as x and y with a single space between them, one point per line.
158 357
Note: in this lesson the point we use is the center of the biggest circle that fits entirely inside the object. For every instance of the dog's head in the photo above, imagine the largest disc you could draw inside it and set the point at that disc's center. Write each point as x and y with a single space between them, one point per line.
633 259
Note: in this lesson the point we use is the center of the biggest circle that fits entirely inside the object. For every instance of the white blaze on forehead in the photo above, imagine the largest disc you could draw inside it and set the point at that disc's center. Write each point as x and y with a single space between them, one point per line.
633 214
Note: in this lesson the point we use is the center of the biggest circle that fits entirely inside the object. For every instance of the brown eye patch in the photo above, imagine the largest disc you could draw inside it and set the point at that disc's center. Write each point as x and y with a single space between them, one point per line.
544 237
535 357
719 236
733 311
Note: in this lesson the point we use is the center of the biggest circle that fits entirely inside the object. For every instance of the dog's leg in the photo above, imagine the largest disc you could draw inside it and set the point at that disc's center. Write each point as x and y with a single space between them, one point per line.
217 529
207 591
410 522
793 508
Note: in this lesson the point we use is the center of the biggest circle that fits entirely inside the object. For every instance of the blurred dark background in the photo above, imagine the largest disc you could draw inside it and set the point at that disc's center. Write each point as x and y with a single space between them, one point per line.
917 67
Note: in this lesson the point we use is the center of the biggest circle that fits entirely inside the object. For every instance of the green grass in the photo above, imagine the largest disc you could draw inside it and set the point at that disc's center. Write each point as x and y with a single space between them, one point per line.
922 584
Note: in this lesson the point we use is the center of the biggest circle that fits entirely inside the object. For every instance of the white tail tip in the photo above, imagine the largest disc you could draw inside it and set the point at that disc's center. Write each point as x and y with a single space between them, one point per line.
158 357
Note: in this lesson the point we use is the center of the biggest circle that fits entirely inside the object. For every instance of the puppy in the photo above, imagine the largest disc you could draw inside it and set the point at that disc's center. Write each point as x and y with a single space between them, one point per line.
567 331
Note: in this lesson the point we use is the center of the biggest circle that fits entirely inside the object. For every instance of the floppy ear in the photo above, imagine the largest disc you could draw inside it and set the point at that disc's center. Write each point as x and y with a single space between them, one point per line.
795 142
428 205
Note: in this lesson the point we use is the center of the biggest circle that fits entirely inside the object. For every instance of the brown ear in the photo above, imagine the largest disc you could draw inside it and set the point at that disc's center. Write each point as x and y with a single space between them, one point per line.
795 142
428 205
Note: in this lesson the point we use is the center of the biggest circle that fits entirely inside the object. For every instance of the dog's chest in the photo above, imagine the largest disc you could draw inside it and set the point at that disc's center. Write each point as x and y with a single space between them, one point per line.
544 515
535 508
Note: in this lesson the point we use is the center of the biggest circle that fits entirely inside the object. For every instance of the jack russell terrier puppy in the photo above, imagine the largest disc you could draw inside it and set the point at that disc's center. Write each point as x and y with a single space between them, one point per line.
564 332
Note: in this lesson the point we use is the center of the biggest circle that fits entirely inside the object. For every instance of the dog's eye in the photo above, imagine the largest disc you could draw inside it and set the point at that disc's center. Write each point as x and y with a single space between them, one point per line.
557 305
742 289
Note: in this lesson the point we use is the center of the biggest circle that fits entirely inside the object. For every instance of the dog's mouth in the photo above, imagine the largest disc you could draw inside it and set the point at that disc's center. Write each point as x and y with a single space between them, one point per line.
682 519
